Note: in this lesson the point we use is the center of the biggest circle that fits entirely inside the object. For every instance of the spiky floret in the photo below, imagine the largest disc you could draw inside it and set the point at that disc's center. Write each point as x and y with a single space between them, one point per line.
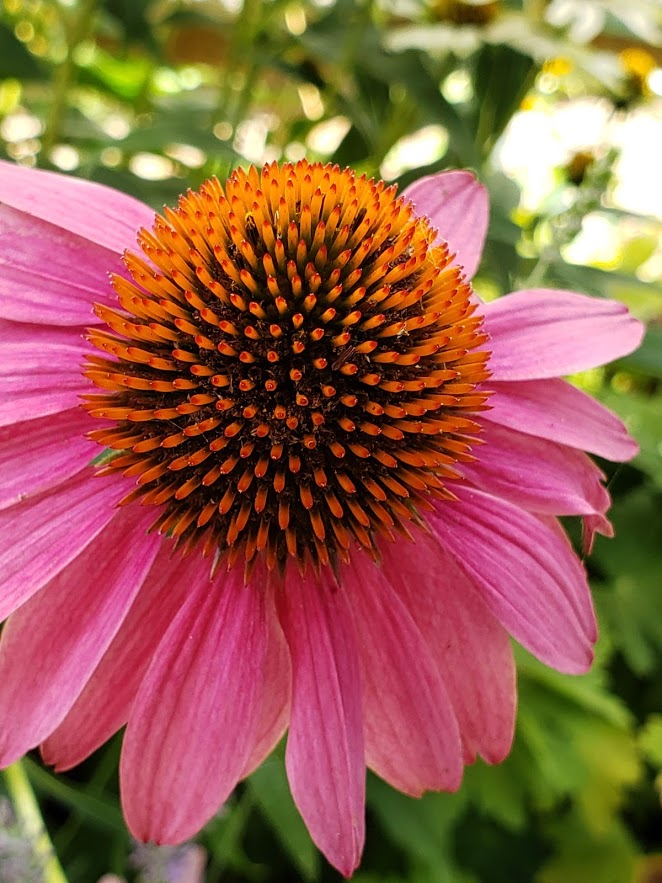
293 369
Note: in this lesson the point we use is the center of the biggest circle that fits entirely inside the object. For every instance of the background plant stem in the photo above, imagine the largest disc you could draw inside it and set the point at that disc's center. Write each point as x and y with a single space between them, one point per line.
77 27
30 820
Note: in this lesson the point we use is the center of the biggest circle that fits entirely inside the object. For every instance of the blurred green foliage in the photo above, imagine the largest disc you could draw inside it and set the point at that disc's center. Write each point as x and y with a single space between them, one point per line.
153 96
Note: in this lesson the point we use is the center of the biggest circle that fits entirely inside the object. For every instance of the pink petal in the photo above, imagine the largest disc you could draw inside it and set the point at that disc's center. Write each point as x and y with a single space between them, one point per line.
592 524
104 705
471 649
194 720
538 333
40 370
48 275
527 573
42 535
555 410
276 693
411 733
458 207
325 757
38 454
52 644
95 212
536 474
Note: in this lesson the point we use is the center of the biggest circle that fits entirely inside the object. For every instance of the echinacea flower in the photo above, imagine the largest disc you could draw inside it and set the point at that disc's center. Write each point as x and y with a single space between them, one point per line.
283 469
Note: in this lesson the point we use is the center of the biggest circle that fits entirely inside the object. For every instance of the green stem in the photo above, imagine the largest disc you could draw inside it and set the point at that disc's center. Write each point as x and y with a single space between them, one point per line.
243 102
232 108
230 834
537 274
77 29
29 817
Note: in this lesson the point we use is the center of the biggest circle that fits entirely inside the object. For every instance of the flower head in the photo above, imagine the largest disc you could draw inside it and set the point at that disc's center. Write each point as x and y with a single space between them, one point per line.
283 343
327 489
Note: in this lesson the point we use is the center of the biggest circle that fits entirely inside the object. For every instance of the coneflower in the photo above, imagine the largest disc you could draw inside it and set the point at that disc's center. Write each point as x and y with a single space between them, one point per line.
326 491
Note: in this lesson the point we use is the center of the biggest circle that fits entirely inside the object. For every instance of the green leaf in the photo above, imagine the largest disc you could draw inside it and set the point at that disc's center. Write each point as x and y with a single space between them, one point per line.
584 857
15 60
502 77
580 741
269 787
423 828
504 198
613 766
224 835
650 739
500 791
593 280
422 87
643 417
97 811
631 601
637 250
133 15
176 124
648 358
125 77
